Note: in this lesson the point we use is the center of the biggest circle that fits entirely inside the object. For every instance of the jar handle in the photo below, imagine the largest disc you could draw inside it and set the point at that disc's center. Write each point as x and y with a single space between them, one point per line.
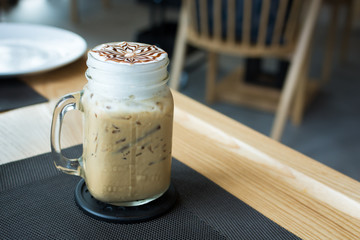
66 103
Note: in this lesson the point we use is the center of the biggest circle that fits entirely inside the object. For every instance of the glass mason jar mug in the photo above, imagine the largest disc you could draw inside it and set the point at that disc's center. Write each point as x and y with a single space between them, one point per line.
127 124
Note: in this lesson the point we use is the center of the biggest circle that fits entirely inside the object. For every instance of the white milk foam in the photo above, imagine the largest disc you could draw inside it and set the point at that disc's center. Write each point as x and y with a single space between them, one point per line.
111 75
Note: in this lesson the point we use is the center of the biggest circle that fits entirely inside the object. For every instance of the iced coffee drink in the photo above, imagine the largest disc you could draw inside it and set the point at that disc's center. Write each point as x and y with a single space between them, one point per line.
128 112
127 149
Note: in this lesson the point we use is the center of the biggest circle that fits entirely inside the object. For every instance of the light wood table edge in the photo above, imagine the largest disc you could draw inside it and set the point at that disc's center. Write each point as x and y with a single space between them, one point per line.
322 186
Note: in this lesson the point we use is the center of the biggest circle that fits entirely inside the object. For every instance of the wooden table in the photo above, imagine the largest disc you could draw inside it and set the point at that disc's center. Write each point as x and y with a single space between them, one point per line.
304 196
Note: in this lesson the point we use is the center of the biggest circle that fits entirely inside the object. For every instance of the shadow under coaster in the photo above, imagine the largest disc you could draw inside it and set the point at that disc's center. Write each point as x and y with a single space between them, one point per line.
120 214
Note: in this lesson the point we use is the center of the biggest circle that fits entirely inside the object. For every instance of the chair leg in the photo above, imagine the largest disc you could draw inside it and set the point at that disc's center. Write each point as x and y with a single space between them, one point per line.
177 61
106 4
301 92
330 44
211 77
347 30
74 11
292 78
299 101
286 98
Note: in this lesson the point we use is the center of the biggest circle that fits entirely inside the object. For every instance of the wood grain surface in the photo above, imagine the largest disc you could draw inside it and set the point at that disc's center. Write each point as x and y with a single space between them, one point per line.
299 193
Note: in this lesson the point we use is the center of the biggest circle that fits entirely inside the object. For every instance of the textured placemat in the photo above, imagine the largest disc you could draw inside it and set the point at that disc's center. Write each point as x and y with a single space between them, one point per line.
37 202
15 94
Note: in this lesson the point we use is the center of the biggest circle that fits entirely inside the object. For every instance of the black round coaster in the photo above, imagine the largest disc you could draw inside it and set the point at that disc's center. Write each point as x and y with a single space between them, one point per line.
119 214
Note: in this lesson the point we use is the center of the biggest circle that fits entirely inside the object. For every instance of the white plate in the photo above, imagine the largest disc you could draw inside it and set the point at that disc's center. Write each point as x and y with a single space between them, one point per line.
28 48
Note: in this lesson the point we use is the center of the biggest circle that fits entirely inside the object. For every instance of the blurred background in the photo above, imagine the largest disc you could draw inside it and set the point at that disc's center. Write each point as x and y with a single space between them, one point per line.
329 131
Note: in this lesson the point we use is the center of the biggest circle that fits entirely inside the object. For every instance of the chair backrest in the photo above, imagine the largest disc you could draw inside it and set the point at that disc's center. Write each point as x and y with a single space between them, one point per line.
250 27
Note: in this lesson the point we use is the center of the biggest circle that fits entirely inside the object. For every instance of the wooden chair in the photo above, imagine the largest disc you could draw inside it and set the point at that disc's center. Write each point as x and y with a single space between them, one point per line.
286 43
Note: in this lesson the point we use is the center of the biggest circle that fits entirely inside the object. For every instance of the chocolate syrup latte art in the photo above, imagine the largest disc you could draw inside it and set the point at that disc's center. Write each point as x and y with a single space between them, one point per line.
128 52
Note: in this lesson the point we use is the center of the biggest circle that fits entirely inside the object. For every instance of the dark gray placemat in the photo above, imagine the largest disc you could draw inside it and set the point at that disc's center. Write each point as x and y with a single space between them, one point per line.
15 94
37 202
